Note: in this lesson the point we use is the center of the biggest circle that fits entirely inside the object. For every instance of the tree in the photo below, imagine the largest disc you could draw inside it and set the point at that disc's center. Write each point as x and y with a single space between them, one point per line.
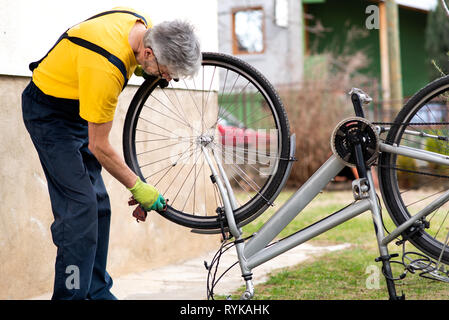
437 42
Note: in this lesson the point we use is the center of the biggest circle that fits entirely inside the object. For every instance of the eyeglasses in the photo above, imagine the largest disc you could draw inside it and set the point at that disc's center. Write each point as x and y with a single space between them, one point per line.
157 63
161 75
159 69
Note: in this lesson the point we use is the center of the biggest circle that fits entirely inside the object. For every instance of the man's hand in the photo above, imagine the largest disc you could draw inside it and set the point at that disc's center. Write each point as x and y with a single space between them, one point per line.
147 195
159 204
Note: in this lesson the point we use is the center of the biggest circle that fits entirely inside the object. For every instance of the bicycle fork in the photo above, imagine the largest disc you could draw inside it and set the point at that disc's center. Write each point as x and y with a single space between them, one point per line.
229 203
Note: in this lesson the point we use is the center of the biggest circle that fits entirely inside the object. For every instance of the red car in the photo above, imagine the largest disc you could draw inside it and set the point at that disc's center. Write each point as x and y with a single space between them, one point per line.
235 136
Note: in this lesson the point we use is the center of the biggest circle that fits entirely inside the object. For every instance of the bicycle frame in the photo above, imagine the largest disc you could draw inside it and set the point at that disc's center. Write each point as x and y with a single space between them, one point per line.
256 251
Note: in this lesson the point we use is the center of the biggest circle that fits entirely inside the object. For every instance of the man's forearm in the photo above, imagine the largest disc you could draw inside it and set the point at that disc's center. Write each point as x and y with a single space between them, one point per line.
114 164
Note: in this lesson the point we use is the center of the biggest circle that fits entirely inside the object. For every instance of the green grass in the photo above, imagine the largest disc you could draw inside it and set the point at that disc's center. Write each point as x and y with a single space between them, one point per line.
340 275
359 229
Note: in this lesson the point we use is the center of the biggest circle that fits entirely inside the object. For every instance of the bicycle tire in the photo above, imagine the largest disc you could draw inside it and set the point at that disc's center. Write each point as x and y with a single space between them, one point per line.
260 201
400 182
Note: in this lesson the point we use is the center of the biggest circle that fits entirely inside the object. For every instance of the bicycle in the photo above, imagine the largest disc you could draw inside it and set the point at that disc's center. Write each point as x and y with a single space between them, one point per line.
230 153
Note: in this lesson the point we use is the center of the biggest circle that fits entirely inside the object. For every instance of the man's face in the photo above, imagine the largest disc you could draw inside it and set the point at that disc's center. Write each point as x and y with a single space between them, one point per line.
151 66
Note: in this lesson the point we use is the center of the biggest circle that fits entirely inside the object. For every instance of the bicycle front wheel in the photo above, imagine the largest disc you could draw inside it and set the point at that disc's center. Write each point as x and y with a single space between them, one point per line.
230 111
408 185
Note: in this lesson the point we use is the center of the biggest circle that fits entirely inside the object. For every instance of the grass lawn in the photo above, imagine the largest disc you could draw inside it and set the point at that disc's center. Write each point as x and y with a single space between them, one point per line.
343 275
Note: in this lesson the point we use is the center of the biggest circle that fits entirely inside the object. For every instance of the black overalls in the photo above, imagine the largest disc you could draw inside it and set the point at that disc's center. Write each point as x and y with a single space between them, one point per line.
79 199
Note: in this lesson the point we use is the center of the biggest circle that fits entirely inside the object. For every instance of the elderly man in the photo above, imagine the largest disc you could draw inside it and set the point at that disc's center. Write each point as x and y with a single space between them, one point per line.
68 109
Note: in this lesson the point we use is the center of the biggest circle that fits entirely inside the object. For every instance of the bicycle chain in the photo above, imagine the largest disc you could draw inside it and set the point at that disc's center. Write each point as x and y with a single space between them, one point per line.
417 172
409 123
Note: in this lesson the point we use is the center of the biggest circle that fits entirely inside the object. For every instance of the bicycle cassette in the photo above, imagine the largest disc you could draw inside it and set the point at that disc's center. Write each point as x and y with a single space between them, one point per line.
355 130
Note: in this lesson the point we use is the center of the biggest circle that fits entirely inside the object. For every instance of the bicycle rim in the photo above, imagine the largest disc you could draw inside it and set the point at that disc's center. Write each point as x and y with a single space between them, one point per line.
407 184
233 112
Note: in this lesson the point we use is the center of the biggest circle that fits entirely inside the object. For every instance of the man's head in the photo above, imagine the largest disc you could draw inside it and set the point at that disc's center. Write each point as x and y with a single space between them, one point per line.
171 50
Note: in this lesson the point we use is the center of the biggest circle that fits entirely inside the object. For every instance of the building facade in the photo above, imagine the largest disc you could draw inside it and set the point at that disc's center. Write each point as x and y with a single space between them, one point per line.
27 30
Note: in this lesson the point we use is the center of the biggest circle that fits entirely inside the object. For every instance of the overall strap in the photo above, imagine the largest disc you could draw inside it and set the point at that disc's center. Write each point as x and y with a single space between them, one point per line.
93 47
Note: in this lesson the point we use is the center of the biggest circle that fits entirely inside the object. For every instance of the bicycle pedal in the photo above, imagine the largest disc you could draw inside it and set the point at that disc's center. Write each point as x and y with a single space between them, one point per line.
360 188
435 275
363 96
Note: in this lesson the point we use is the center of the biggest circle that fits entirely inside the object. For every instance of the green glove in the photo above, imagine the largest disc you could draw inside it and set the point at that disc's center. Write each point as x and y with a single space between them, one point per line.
145 194
159 204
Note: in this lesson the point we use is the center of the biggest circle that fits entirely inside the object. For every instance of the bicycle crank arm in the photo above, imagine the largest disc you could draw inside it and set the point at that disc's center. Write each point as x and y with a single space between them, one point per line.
359 98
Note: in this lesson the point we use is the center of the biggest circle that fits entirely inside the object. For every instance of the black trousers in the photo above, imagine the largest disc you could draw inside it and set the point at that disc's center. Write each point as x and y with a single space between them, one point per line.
79 199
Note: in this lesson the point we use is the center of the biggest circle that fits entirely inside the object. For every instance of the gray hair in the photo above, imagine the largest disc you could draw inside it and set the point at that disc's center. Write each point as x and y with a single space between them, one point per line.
176 46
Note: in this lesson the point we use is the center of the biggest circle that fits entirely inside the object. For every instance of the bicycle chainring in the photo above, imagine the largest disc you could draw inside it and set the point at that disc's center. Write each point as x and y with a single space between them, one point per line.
355 129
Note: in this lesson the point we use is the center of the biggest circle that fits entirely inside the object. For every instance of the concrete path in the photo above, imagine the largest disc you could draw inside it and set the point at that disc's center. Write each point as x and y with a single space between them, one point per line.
187 280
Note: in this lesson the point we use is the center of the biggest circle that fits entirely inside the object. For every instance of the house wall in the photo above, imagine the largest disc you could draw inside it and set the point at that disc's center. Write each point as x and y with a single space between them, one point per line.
27 254
337 17
282 61
29 28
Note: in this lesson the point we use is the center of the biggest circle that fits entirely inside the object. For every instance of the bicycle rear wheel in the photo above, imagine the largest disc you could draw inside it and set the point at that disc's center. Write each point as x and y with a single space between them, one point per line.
231 110
408 184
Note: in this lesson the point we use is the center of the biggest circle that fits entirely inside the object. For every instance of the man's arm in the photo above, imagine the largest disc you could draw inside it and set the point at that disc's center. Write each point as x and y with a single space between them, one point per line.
147 195
107 156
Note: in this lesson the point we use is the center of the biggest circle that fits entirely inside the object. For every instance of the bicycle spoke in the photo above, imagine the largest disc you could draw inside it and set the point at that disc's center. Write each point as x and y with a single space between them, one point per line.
235 105
441 225
191 96
176 176
253 184
155 124
174 165
165 139
142 166
167 116
179 103
193 189
229 153
174 105
167 167
229 94
187 176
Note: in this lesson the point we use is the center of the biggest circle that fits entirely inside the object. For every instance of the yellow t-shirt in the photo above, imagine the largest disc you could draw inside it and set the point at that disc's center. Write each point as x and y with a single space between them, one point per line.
74 72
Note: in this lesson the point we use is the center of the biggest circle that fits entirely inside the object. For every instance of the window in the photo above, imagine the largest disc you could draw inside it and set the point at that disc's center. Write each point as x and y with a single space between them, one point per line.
248 30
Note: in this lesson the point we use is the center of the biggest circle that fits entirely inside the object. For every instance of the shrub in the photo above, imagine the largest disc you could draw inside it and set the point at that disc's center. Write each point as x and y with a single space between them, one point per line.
316 107
437 146
406 179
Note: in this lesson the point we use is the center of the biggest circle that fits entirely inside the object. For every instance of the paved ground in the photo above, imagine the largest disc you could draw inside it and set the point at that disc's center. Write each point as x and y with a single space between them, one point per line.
187 280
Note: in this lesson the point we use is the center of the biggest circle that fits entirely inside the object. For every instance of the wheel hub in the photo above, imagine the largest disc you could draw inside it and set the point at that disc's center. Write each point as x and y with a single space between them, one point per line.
204 140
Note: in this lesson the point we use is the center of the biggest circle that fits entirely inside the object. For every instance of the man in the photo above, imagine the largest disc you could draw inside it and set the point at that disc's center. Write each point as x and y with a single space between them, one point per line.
68 109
